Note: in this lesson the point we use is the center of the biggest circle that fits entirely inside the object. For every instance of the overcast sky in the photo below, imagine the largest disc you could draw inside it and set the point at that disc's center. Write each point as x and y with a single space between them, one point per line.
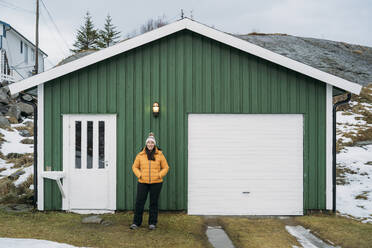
339 20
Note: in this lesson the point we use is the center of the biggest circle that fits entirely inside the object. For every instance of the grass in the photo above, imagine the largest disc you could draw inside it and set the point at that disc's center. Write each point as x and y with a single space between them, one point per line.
2 138
271 232
263 232
20 160
174 230
27 141
340 230
362 196
12 120
341 175
9 193
180 230
6 186
362 132
30 129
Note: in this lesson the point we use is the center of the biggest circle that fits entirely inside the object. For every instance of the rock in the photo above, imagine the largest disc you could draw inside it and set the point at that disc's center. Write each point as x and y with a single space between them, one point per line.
14 96
14 155
13 120
4 108
363 143
4 98
106 223
14 111
21 207
16 174
26 109
18 208
4 83
4 121
24 133
6 89
29 123
27 97
93 219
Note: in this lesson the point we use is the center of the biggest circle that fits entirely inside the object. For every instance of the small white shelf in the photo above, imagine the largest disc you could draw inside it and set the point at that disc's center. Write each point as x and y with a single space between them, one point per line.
57 176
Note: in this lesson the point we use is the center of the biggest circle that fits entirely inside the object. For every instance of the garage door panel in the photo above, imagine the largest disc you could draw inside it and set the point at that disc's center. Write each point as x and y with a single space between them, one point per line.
232 154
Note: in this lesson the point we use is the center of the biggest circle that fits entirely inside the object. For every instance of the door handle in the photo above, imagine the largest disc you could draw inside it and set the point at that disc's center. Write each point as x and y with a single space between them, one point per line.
246 192
106 163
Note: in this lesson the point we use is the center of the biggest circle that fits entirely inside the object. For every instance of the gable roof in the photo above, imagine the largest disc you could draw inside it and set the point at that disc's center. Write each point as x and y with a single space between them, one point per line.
173 28
20 35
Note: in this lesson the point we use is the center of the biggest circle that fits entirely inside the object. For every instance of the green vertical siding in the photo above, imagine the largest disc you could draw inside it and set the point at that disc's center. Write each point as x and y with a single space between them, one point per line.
185 73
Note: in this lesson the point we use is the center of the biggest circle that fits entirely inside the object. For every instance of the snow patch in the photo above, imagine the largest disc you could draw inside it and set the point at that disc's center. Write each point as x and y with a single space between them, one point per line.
13 143
31 243
22 178
349 119
359 183
305 238
8 168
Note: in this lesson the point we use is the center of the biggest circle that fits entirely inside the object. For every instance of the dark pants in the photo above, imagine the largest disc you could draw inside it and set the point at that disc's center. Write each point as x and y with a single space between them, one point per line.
142 190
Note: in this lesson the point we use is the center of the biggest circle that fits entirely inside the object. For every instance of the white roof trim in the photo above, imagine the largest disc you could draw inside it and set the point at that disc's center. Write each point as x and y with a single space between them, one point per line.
175 27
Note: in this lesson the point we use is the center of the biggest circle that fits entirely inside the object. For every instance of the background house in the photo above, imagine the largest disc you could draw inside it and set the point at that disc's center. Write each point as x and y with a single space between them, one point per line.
17 58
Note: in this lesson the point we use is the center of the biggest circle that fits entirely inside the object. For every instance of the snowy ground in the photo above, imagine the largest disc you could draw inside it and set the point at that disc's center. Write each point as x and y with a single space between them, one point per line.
306 238
354 198
12 145
354 191
31 243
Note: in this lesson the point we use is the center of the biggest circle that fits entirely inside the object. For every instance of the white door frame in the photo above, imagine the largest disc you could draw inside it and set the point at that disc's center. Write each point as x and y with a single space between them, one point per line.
110 146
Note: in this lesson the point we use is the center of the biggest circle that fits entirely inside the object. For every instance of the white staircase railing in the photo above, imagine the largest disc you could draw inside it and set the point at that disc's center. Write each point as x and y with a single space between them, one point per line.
6 74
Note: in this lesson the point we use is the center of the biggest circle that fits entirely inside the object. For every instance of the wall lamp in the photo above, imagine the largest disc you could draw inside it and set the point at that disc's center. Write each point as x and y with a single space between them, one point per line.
155 109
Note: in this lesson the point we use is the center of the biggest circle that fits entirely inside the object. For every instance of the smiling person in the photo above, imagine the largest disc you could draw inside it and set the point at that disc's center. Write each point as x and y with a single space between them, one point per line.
150 166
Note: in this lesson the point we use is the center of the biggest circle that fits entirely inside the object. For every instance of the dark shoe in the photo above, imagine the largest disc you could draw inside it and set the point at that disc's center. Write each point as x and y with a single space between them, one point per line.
133 226
152 227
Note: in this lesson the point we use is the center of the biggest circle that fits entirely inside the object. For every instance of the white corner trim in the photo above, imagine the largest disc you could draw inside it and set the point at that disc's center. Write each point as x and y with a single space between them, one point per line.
65 159
329 144
197 28
40 146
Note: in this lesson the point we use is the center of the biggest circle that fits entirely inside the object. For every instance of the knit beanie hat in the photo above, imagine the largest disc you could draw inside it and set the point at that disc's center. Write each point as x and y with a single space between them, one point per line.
151 138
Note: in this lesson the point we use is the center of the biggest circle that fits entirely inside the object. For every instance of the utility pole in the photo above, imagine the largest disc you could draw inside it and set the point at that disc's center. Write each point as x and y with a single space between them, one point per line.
181 13
36 70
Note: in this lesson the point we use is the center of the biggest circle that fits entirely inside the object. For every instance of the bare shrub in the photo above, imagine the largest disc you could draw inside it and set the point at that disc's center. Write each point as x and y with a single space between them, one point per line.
27 141
20 160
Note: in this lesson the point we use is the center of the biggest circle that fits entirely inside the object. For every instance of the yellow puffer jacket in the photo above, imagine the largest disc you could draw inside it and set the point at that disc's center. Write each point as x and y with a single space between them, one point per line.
150 171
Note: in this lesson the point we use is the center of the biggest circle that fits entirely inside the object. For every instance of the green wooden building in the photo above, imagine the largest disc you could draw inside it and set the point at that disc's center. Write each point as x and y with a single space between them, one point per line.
245 131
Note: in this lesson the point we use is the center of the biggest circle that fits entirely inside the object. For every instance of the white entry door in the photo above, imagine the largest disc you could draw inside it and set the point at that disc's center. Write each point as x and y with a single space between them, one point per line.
90 162
245 164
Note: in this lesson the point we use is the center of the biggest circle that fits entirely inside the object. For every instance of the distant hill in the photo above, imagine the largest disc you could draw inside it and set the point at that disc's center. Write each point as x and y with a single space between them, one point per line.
348 61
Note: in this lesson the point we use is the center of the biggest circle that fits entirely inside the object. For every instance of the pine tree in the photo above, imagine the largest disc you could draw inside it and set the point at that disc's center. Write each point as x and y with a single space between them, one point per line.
108 36
87 36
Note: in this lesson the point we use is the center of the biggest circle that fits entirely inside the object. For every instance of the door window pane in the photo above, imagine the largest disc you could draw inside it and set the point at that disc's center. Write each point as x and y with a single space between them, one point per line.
89 144
78 144
101 144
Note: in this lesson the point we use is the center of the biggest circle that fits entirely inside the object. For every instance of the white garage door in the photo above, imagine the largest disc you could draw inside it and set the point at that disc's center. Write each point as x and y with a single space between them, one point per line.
245 164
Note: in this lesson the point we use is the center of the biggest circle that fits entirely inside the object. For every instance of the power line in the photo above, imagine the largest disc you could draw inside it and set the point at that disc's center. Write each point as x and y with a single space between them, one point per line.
55 25
43 18
15 7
